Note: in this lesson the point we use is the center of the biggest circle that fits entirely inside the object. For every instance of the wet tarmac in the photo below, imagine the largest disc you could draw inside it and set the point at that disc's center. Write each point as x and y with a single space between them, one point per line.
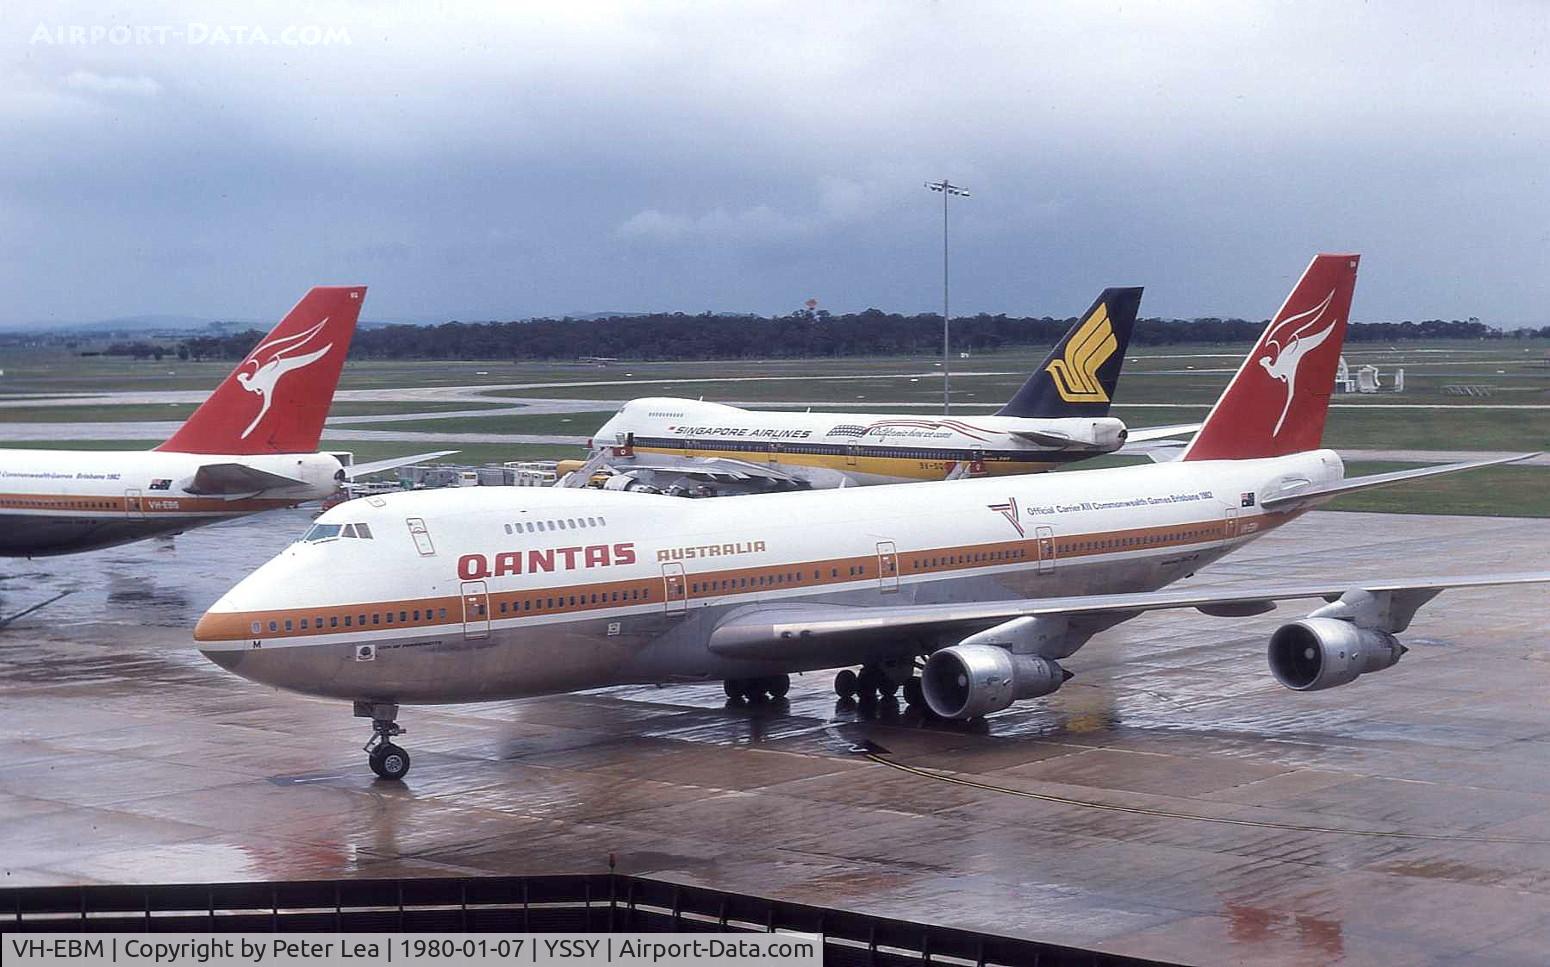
1170 801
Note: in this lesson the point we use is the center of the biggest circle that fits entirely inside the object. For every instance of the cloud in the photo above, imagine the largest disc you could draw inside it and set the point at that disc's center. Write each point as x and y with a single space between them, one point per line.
112 84
528 158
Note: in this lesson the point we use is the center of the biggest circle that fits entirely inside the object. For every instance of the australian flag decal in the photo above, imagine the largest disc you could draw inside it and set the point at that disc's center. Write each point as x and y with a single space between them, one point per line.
1247 500
161 485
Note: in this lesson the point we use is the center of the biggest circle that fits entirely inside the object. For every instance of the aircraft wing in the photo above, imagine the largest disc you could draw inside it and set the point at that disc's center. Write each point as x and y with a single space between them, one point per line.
358 470
777 632
1148 433
1354 484
237 479
710 467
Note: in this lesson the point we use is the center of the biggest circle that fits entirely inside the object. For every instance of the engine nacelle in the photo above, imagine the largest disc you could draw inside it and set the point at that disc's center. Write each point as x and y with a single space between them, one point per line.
1318 653
967 681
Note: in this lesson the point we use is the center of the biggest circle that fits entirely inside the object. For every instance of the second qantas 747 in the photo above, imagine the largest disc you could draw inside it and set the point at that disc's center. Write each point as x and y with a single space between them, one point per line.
474 595
251 446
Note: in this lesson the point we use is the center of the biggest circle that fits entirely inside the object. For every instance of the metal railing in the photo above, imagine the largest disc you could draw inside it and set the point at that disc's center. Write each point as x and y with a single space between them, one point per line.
516 904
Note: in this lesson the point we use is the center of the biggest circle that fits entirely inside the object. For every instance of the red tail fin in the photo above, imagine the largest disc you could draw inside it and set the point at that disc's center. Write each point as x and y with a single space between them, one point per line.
1277 402
276 399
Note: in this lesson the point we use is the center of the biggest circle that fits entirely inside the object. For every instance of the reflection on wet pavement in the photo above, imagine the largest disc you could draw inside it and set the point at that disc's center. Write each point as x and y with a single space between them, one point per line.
124 756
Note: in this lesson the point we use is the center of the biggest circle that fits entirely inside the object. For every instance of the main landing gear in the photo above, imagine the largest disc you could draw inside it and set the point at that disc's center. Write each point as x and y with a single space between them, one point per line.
757 689
882 680
387 760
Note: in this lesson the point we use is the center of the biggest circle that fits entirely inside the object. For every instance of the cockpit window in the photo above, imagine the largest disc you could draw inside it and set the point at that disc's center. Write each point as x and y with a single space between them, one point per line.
328 532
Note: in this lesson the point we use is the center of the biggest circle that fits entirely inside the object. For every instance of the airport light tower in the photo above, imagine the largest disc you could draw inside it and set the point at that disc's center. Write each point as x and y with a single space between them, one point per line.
947 190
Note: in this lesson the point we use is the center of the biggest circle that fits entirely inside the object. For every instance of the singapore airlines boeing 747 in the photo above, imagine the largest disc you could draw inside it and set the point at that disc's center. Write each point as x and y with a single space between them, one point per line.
475 595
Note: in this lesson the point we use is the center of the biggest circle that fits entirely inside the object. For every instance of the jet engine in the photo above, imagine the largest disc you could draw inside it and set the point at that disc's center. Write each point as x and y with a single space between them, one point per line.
1318 653
967 681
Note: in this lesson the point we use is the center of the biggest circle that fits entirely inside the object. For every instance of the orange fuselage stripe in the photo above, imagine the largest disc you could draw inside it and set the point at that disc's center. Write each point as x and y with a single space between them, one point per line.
598 596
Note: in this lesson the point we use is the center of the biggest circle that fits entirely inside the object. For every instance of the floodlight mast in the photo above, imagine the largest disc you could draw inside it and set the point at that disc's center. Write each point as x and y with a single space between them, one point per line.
947 190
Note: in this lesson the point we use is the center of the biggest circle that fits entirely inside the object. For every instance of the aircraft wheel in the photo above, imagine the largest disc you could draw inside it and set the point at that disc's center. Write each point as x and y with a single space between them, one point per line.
389 761
846 684
913 693
887 689
733 687
870 681
777 685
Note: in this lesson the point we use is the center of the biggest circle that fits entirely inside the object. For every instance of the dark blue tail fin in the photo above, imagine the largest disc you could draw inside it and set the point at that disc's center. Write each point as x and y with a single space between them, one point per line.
1078 376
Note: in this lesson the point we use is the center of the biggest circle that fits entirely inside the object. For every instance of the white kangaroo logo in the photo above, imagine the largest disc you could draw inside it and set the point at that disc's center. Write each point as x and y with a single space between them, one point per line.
267 373
1292 340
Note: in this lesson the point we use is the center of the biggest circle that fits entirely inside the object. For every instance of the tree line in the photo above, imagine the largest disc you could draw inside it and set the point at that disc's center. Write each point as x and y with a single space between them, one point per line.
679 336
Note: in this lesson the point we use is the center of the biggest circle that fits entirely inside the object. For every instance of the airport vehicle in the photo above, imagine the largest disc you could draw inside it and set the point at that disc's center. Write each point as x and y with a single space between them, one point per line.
250 447
1059 415
476 595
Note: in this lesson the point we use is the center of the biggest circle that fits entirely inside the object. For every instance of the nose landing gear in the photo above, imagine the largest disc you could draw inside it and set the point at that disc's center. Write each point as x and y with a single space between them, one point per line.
387 760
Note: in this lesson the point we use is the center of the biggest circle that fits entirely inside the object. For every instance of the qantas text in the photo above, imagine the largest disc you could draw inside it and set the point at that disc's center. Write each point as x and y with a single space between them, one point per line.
472 567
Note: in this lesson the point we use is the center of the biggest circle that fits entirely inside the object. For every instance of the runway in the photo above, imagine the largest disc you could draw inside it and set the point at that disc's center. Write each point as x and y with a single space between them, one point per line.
1171 801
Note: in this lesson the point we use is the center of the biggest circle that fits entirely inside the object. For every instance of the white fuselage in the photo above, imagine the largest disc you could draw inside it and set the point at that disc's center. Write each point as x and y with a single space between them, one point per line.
864 448
62 501
468 595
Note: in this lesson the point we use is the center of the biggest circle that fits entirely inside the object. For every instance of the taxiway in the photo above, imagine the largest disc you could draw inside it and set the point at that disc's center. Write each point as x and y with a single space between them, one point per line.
1171 801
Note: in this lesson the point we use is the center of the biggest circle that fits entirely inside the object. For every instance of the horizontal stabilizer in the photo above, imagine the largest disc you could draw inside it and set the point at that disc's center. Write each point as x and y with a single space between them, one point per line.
1354 484
236 479
1148 433
1056 441
358 470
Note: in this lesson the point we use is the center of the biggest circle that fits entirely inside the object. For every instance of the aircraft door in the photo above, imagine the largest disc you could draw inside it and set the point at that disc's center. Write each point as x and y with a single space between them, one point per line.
1044 541
134 503
887 566
772 454
851 452
1230 523
675 589
476 610
421 536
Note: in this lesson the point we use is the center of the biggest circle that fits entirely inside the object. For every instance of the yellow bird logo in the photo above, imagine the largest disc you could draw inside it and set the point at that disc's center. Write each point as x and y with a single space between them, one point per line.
1076 372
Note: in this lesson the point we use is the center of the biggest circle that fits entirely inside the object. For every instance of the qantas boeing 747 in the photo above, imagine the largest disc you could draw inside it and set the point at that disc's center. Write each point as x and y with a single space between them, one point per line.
476 595
251 446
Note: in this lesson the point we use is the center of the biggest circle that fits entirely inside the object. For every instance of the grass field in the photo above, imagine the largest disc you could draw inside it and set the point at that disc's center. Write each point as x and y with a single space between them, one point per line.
364 450
1162 385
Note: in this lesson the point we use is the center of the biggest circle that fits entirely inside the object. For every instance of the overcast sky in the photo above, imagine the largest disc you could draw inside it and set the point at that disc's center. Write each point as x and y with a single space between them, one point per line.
545 158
